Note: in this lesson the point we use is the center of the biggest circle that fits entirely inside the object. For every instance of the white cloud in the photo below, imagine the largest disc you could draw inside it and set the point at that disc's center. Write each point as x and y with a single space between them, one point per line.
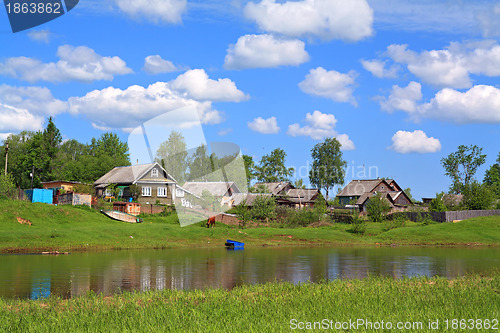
15 120
377 68
450 67
40 35
480 104
116 108
4 136
155 64
265 51
157 11
404 99
326 19
330 84
35 100
197 85
264 126
224 131
414 142
320 126
76 64
490 21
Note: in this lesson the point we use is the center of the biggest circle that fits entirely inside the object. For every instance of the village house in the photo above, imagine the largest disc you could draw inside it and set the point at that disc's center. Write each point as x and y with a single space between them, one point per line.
155 184
288 195
358 192
60 185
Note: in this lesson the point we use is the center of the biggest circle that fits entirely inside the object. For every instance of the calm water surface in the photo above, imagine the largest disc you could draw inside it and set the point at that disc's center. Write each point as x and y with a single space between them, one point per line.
35 276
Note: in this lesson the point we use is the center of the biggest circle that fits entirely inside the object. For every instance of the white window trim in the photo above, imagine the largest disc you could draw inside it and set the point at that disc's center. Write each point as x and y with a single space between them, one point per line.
154 173
146 189
162 195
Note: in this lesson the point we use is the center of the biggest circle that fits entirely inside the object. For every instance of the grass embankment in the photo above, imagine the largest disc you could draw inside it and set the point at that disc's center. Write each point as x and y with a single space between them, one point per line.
66 228
272 307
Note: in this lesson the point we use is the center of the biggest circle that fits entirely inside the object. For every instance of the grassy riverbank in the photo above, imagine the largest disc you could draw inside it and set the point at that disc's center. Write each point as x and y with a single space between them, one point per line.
66 228
272 307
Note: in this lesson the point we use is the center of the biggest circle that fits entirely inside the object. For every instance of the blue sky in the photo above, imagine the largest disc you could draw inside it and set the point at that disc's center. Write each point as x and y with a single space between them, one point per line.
400 83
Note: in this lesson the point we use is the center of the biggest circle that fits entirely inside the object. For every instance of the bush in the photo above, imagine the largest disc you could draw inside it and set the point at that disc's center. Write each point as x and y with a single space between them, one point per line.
358 225
7 187
377 207
264 208
477 197
397 221
437 204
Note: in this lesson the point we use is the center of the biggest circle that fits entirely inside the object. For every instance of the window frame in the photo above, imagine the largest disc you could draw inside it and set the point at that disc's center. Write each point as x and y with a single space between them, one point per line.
147 190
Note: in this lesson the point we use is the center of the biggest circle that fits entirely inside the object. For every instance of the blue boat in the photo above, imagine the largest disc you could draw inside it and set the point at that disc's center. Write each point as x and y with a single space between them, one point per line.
231 244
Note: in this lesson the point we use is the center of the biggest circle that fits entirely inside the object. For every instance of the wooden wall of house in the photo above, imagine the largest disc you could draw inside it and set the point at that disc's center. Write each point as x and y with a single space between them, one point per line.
154 198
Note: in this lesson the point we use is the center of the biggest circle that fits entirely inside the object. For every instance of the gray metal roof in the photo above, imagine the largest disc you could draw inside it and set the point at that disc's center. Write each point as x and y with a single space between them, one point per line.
215 188
359 187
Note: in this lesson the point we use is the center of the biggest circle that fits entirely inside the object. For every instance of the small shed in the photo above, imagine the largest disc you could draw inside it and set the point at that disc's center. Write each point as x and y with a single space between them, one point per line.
74 199
40 195
132 208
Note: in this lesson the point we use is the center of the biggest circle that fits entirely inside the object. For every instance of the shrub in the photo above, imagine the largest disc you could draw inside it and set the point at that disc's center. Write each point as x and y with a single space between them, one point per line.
397 221
358 225
377 207
477 196
264 208
7 187
437 204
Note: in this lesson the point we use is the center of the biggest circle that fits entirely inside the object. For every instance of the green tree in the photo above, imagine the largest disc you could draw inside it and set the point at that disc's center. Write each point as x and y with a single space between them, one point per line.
492 177
408 193
461 166
249 168
437 204
264 208
299 183
477 196
200 164
272 167
51 142
328 167
18 150
377 207
7 187
174 154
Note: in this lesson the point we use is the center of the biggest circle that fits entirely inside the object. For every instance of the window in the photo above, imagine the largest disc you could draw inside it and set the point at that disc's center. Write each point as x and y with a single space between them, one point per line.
179 192
146 191
162 191
108 193
154 173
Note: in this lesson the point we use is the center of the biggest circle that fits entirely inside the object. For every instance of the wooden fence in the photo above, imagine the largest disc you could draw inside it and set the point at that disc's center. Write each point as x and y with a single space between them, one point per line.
448 216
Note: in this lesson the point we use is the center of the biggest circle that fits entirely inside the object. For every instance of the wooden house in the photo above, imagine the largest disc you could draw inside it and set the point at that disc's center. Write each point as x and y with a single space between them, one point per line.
60 185
275 188
358 192
156 185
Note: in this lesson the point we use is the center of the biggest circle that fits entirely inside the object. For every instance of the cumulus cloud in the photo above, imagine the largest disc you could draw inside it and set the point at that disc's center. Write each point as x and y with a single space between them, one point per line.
320 126
377 68
76 64
264 126
116 108
265 51
414 142
39 35
197 85
404 99
4 136
155 64
156 11
35 100
480 104
330 84
15 120
326 19
452 66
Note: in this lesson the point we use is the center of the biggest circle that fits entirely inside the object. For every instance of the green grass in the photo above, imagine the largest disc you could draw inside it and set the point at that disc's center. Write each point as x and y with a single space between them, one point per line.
268 307
66 228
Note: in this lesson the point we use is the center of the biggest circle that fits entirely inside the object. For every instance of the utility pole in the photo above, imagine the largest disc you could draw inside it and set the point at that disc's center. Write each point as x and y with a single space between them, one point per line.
6 156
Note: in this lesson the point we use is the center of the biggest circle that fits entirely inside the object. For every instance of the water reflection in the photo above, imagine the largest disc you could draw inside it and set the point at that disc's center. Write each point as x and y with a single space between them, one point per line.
34 276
